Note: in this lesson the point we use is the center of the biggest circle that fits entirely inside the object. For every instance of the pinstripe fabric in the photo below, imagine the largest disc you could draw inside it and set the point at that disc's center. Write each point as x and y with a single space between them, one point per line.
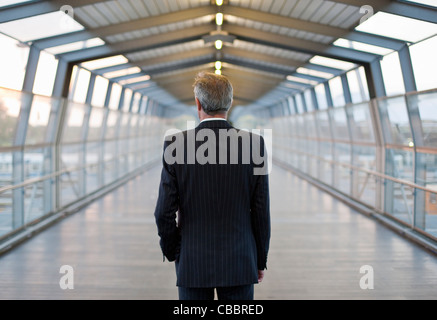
223 230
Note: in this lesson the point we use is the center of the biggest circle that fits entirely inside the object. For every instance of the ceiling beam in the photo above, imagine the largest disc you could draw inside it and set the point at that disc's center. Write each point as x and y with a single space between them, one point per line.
241 53
256 66
317 28
181 65
289 43
283 21
145 43
377 4
189 54
270 39
412 10
138 24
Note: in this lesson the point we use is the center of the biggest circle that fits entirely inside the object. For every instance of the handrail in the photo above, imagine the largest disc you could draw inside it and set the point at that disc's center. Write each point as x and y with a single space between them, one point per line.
374 173
31 181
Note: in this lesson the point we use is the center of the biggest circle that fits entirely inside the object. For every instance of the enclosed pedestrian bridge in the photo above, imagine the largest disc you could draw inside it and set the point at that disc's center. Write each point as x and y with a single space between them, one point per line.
347 88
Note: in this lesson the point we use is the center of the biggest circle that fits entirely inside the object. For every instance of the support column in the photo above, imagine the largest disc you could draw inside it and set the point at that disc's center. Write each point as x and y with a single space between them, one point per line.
407 69
32 64
328 95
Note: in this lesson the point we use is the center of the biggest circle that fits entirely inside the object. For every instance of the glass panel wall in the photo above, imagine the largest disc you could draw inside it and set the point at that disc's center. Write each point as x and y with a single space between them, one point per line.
55 152
382 153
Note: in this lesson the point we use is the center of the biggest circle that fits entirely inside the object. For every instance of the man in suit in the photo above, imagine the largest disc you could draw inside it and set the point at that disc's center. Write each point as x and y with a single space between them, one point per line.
213 212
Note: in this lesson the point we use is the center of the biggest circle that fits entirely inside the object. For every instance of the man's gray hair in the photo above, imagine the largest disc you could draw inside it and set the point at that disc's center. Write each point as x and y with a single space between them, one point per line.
215 92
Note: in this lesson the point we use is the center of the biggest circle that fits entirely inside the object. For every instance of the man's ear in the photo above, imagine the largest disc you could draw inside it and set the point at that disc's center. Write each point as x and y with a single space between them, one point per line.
199 106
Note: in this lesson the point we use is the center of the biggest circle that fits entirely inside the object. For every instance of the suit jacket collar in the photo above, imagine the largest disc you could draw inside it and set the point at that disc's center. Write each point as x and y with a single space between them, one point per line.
215 124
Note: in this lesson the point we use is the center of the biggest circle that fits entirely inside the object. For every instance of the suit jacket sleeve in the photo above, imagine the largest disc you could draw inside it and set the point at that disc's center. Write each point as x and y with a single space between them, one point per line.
165 212
260 211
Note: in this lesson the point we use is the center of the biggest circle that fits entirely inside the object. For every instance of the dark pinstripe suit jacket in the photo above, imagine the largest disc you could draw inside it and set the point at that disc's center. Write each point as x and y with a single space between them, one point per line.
221 237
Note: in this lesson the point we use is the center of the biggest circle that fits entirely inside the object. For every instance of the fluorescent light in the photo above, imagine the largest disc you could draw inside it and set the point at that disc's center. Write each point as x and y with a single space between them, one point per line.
219 44
218 72
219 2
76 46
362 47
314 73
333 63
121 73
218 65
301 80
104 62
219 19
135 80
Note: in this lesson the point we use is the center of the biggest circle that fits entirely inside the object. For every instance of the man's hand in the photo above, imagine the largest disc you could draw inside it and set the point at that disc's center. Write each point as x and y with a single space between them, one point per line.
260 275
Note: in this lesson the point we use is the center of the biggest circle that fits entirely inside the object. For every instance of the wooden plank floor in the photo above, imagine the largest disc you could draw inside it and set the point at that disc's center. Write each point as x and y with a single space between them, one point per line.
317 249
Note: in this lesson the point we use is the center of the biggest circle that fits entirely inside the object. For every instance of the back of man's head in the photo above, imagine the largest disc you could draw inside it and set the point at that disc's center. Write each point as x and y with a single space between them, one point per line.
214 92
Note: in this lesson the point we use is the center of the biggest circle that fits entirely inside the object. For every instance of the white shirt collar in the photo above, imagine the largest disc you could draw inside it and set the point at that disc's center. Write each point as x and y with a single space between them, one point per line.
213 119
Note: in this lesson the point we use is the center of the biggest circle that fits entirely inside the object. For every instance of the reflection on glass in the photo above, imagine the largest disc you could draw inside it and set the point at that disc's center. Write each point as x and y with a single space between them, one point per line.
395 121
5 211
426 103
342 175
38 120
74 120
339 124
96 124
361 123
399 164
323 125
310 123
400 202
364 186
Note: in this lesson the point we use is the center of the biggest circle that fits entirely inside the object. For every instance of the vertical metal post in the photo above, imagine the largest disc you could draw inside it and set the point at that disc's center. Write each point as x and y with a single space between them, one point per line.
375 80
90 91
60 79
108 94
328 94
32 65
121 101
296 110
18 164
407 69
412 103
50 155
346 89
314 98
304 102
